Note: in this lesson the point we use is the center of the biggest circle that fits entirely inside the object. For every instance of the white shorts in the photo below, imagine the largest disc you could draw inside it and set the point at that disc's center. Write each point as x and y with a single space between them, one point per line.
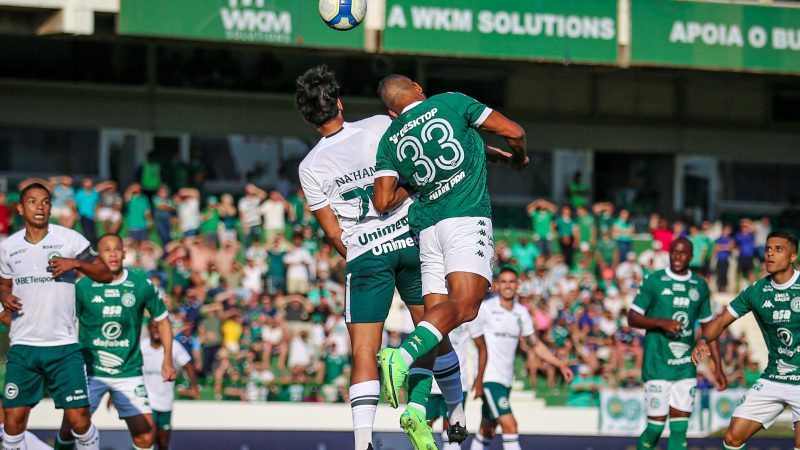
459 244
128 394
661 395
105 214
766 400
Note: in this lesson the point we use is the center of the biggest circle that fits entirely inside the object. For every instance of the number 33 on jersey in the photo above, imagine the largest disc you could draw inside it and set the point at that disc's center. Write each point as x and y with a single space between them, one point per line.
435 146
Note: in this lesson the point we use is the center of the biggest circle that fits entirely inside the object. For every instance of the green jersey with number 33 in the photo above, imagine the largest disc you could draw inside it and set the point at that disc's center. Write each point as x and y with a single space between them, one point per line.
685 298
434 145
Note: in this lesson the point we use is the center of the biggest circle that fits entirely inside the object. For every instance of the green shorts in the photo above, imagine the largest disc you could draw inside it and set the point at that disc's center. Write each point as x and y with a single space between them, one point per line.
437 407
60 367
371 280
163 420
495 401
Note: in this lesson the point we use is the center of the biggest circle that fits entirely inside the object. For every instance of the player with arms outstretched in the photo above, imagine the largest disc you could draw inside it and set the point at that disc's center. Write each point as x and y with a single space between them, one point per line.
110 317
36 274
775 302
503 323
668 305
433 145
337 178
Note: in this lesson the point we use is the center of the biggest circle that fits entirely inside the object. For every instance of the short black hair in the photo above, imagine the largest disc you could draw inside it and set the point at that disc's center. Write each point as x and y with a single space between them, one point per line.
684 240
783 234
317 95
32 187
107 235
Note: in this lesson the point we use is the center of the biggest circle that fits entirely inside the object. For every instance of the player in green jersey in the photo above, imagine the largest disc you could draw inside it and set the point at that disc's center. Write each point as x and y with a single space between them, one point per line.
111 317
775 302
433 144
668 305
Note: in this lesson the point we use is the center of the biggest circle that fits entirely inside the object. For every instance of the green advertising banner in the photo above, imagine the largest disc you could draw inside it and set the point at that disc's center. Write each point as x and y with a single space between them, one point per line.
715 35
273 22
558 30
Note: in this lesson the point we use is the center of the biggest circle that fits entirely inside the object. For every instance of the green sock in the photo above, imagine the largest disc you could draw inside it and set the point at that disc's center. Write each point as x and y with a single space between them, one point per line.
650 436
422 340
64 445
677 433
729 447
419 387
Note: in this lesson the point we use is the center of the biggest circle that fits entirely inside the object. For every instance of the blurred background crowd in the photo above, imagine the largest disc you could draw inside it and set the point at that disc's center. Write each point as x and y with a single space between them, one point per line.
255 292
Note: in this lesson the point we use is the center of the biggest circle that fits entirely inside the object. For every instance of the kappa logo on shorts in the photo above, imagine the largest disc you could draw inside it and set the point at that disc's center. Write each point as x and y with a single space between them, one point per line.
480 253
11 391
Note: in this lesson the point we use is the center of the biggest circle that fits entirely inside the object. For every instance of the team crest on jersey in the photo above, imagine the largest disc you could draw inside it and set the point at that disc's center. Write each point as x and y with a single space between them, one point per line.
795 304
694 295
98 299
128 299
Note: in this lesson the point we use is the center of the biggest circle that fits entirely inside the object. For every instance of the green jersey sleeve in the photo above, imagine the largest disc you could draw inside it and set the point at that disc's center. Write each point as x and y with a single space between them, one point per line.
644 298
743 303
704 313
153 303
384 162
473 111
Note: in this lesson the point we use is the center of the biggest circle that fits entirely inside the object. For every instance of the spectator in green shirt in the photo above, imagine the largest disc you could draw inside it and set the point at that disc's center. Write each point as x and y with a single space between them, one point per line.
578 192
604 211
622 231
150 175
567 230
541 212
586 226
138 217
701 247
607 253
210 224
525 253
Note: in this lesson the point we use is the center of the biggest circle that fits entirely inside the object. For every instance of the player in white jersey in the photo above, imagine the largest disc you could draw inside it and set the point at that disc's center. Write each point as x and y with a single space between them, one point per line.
36 274
337 177
162 393
504 323
437 406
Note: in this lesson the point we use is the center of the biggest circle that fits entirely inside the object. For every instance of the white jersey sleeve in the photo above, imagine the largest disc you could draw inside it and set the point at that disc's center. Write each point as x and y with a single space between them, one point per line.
5 264
314 195
527 321
474 328
180 357
375 124
77 242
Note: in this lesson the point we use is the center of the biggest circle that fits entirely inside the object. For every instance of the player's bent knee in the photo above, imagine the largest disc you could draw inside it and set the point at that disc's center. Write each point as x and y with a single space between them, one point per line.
731 440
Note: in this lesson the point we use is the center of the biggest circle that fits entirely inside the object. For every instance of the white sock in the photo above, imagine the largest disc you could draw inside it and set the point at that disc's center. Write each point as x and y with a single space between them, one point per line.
14 442
480 443
407 356
447 445
143 448
363 403
447 372
417 406
88 441
511 442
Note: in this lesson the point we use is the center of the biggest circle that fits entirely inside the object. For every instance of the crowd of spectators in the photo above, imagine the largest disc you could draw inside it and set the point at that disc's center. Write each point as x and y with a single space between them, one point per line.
256 294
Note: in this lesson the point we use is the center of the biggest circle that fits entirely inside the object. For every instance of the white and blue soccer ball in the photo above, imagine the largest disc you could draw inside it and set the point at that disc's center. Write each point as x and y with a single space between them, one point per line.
342 15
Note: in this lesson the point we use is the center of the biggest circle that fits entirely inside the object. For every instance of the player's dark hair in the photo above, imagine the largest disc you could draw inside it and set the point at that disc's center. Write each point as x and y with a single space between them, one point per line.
317 95
685 241
507 269
107 235
783 234
34 186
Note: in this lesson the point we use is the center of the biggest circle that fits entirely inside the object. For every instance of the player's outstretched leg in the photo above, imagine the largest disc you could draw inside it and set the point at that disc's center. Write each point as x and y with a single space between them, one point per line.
677 433
650 436
447 371
466 291
413 420
365 340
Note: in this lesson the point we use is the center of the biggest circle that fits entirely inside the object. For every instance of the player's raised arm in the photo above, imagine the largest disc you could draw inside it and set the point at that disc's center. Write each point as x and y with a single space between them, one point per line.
86 263
514 135
387 195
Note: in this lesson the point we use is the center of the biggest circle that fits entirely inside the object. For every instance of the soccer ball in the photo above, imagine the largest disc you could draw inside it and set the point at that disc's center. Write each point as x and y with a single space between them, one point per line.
342 15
